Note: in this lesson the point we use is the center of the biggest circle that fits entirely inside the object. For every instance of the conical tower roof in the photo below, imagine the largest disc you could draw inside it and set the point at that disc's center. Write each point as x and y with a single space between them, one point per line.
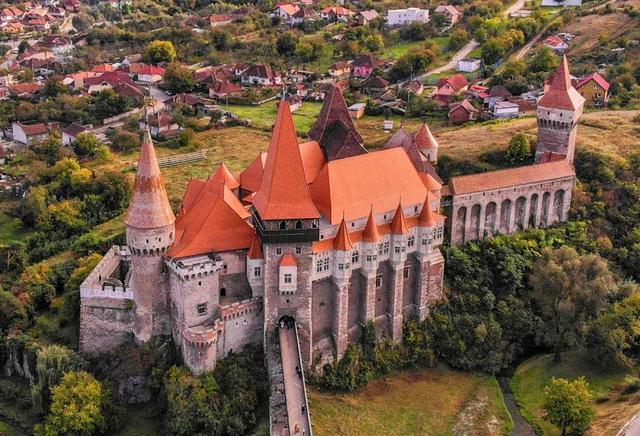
399 223
342 241
426 218
149 207
370 233
283 192
223 175
561 94
424 138
255 251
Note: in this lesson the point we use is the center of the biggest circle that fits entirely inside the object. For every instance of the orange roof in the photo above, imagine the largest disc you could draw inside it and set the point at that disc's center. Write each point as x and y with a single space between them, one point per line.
561 94
342 241
370 233
255 251
288 260
223 175
283 192
352 185
424 139
427 217
399 224
212 226
251 177
511 177
149 207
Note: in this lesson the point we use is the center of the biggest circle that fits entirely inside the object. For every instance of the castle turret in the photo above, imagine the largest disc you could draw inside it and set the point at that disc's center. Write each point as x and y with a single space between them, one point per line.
558 113
150 232
399 236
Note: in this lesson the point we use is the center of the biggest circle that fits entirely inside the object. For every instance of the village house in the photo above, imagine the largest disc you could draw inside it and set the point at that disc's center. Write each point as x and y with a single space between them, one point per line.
462 112
415 87
336 13
71 132
447 87
59 45
159 124
374 84
453 15
506 109
340 68
10 14
12 28
403 17
363 18
150 75
469 65
303 15
76 80
365 64
223 88
29 134
595 90
285 11
260 74
24 90
216 20
557 44
497 94
106 80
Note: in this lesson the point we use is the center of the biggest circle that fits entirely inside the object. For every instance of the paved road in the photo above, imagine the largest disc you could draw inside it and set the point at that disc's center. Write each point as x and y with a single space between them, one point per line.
472 45
632 428
293 384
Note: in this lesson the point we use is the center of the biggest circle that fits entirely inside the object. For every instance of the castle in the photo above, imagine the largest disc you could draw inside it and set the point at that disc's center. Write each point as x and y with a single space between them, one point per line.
322 232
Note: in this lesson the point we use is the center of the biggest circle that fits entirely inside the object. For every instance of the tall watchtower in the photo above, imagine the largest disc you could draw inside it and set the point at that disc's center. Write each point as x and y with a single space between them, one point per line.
558 113
150 231
287 223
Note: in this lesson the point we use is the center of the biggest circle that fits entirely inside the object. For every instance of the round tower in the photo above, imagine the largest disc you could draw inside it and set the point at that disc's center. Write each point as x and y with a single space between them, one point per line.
150 232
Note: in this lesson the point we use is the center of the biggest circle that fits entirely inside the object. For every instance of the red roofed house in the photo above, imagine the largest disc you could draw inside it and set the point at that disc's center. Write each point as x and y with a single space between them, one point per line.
595 90
340 68
70 133
285 11
223 88
150 74
336 13
216 20
453 15
462 112
260 74
557 44
450 86
107 80
364 65
29 134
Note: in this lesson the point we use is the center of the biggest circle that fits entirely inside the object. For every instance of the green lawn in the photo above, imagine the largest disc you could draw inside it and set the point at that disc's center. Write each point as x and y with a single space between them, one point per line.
264 116
421 402
402 49
533 375
11 229
476 52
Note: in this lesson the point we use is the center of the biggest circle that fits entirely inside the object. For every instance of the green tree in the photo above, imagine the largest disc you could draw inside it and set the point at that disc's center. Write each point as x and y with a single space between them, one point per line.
519 149
52 362
458 39
49 149
23 46
11 311
77 407
123 140
569 290
160 51
178 79
544 60
86 144
567 405
286 44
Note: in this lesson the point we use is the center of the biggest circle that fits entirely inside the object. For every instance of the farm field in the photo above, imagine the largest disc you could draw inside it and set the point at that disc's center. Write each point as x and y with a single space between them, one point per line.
427 401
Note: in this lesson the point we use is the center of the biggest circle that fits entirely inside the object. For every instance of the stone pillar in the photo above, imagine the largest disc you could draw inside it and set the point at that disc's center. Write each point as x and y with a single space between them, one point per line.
539 209
395 301
511 225
430 282
340 315
369 280
467 223
481 218
526 212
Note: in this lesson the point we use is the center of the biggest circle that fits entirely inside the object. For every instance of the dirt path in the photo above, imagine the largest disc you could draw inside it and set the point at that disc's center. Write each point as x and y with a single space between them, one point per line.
520 425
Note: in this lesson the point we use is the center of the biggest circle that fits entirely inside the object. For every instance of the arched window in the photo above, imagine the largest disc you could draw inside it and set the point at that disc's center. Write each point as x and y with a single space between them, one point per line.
283 225
298 224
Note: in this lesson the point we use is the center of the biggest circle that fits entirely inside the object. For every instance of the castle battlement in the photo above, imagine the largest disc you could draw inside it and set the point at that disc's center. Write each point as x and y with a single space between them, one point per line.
194 267
104 281
240 308
202 336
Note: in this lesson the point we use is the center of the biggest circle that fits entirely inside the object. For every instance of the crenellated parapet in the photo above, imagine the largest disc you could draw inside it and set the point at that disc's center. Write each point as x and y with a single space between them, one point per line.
105 281
194 268
240 309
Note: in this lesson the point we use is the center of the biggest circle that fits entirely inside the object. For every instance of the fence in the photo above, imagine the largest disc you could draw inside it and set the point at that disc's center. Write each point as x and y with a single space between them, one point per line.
170 161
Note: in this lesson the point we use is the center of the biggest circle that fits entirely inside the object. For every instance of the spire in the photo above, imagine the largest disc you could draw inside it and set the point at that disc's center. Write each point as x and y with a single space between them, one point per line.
283 192
424 139
149 207
399 223
370 233
426 218
342 240
561 93
223 175
255 251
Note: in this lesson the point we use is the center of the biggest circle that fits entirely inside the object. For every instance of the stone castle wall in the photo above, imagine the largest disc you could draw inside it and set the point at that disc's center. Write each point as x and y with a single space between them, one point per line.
105 323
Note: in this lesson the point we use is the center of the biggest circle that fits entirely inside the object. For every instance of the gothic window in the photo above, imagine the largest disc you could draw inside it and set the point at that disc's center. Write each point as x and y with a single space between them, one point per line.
411 241
397 249
405 272
283 225
325 265
278 251
202 309
298 224
319 265
355 257
378 280
380 248
386 247
298 250
257 271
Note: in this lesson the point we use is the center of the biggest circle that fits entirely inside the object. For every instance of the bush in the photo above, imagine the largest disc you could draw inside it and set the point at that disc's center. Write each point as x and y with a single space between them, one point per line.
519 150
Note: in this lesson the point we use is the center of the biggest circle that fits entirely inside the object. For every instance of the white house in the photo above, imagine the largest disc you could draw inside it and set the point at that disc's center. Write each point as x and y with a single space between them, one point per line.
402 17
469 65
506 109
71 132
29 133
260 74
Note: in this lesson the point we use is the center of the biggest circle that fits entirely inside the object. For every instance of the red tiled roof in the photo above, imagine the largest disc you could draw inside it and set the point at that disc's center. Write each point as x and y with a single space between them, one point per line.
34 129
255 251
288 260
342 241
511 177
370 233
283 192
399 223
427 217
223 175
367 60
149 206
74 129
554 41
25 88
424 139
561 94
113 78
224 87
596 77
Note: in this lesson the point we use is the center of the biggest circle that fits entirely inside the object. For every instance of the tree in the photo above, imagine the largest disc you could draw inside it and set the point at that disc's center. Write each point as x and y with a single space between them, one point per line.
52 362
77 407
23 46
459 38
568 405
12 258
286 44
160 51
123 140
49 149
11 311
178 79
544 60
568 289
86 144
519 149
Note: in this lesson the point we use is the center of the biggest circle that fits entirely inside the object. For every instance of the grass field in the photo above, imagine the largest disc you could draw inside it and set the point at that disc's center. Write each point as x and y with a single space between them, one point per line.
613 409
434 401
263 116
402 49
11 229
